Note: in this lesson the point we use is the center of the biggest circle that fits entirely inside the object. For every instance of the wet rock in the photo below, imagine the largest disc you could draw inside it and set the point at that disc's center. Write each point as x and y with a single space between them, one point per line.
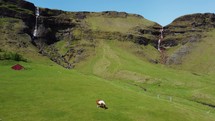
141 40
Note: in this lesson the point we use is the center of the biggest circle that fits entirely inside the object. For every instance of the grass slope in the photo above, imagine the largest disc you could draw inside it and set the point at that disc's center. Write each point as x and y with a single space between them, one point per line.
44 92
201 59
117 24
113 62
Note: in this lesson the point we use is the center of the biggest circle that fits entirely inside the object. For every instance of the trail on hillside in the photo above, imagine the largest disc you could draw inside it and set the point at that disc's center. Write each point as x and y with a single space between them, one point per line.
108 61
111 65
113 62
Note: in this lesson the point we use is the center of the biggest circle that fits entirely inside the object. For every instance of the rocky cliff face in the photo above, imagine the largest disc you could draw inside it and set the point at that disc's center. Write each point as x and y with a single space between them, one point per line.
55 26
68 37
18 9
184 32
52 26
189 26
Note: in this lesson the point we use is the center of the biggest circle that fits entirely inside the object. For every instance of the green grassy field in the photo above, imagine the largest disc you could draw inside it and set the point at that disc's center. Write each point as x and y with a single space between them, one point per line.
44 92
122 25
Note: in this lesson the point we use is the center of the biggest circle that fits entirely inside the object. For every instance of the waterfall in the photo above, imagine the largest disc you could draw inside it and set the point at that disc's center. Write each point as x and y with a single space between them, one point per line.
160 39
37 13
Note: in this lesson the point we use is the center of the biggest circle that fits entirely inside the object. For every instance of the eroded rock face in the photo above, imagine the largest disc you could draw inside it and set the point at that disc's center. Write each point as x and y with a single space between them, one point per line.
57 25
52 25
149 35
20 3
197 20
186 30
49 27
18 9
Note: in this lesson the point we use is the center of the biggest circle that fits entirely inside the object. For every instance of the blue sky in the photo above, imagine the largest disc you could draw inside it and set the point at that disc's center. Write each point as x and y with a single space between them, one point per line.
160 11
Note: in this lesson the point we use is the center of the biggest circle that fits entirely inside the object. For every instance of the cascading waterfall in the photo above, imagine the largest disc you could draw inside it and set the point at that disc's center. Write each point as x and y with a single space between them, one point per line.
37 12
160 39
159 42
163 55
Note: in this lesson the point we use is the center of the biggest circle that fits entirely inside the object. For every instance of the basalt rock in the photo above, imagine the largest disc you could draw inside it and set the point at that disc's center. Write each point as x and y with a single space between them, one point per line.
19 9
197 20
19 3
190 24
58 25
149 35
50 27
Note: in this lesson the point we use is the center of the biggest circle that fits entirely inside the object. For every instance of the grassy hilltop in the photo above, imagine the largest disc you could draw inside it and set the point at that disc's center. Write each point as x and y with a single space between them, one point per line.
79 57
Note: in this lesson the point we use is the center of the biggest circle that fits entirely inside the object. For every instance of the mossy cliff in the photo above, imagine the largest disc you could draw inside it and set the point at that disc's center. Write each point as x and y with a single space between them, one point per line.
184 33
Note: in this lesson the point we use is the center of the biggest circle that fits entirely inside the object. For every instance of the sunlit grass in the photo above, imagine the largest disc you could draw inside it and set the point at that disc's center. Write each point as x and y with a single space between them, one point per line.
117 24
50 92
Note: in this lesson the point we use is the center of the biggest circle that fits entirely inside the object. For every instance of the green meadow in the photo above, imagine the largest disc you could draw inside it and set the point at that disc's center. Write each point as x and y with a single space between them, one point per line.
122 25
133 89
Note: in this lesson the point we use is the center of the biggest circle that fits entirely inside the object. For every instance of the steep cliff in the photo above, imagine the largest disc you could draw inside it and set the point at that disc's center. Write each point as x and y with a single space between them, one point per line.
16 23
186 37
68 37
188 28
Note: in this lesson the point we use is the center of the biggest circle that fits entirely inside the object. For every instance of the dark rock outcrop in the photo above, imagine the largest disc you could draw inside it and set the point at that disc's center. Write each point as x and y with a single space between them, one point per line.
197 20
193 23
48 27
19 3
114 14
19 9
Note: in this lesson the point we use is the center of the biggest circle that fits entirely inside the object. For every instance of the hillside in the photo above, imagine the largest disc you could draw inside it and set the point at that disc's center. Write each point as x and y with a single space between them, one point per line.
186 38
77 32
75 58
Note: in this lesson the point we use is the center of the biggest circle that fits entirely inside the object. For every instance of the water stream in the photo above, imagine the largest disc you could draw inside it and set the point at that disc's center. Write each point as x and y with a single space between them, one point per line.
160 39
37 13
